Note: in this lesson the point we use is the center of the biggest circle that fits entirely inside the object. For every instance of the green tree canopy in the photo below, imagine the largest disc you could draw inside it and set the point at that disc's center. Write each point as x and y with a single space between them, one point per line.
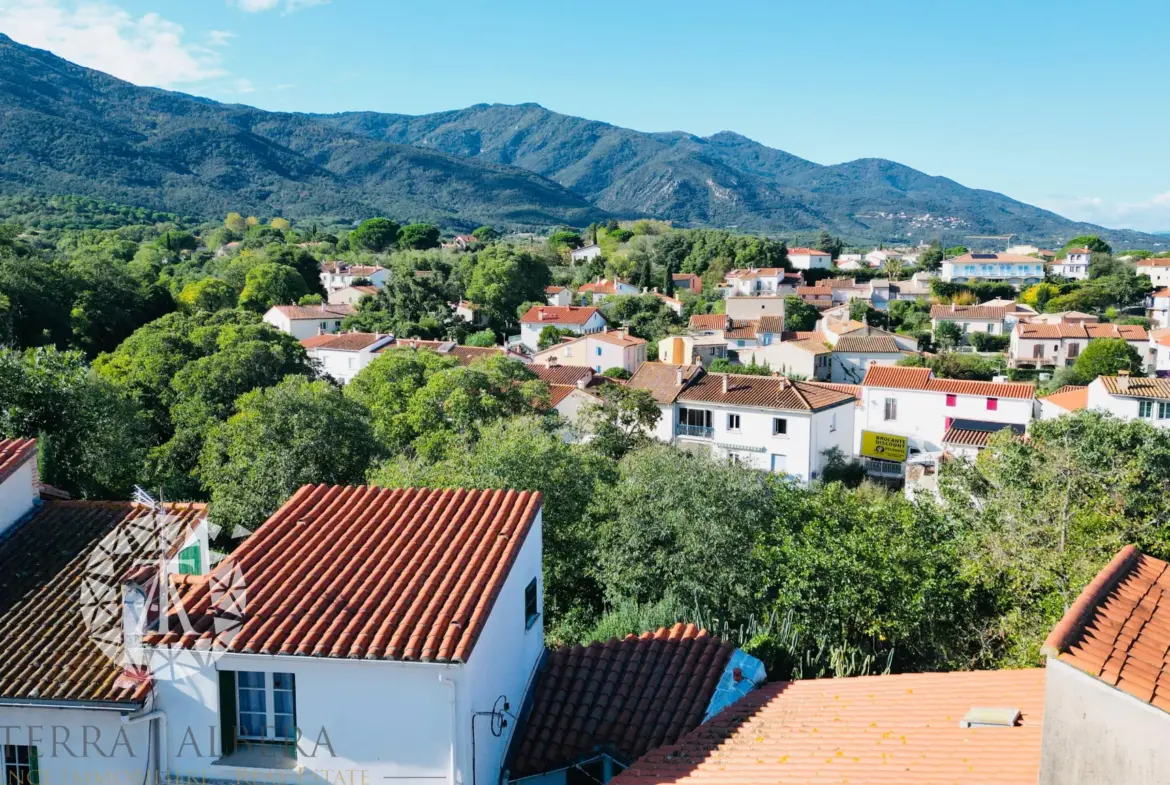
483 338
485 234
1105 357
206 294
375 234
621 419
504 278
1090 241
799 316
271 284
418 237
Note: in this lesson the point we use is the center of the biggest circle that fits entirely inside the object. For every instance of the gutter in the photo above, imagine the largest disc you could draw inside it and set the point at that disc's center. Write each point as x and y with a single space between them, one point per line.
39 703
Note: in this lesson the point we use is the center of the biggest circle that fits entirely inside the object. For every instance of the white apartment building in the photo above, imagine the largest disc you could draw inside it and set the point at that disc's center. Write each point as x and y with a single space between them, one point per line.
343 355
585 253
1074 266
339 275
597 351
990 319
603 287
808 359
766 422
1157 270
752 308
1014 269
580 319
1132 398
809 259
351 295
762 281
1035 345
303 321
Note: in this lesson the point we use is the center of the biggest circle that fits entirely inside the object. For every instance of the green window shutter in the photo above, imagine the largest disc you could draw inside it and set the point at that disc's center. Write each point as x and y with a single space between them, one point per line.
190 560
227 711
34 769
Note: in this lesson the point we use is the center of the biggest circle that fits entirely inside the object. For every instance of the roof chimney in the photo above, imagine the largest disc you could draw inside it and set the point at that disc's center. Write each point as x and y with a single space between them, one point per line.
725 384
1123 381
582 383
678 376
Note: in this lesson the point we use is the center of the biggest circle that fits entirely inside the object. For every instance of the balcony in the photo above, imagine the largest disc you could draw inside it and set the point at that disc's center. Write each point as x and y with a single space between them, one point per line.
886 469
694 431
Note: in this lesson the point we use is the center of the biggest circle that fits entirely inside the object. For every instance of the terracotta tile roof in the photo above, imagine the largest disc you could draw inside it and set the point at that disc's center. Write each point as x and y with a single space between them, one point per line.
1071 397
899 730
1039 330
553 289
768 392
324 311
559 314
604 286
813 291
14 453
1117 629
841 328
626 697
976 433
867 344
709 321
1079 250
741 331
833 283
558 393
344 342
810 345
771 324
799 335
618 338
561 374
847 389
807 252
667 298
997 312
371 573
46 652
1137 387
662 379
1161 293
1162 262
899 378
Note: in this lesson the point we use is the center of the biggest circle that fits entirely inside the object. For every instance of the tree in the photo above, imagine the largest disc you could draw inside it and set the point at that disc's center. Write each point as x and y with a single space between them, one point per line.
375 234
483 338
564 239
300 260
551 335
987 342
1105 357
235 223
271 284
893 268
948 334
616 372
280 224
668 281
279 439
956 250
858 310
251 221
1090 241
1039 294
505 277
485 234
206 294
385 387
830 245
418 237
799 316
621 420
931 258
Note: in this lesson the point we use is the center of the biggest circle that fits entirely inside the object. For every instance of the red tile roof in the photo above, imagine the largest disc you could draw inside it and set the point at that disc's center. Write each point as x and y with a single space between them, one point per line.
899 378
1042 331
866 344
344 342
896 377
709 321
1118 628
997 312
46 652
770 324
604 286
971 433
561 374
617 338
325 311
625 697
14 453
1161 262
559 314
553 289
662 379
1071 398
807 252
764 391
371 573
1137 387
900 730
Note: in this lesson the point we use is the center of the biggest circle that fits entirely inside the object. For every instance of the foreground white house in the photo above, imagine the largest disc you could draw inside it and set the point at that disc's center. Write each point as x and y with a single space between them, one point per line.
302 321
1132 398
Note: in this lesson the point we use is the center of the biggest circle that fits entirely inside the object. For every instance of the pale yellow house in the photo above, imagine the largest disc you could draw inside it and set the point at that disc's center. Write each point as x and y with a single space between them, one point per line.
599 351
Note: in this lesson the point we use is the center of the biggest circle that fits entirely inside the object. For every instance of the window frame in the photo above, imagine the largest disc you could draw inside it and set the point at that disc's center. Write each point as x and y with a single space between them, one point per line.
1145 410
1164 410
952 400
11 766
733 424
190 560
890 410
268 690
780 426
531 604
992 404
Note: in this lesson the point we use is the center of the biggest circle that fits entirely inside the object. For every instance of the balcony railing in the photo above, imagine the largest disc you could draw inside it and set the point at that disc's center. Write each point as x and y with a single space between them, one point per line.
694 431
880 468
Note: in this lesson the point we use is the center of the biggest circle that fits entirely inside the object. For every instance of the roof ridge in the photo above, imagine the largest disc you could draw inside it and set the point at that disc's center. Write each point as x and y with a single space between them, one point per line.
1074 619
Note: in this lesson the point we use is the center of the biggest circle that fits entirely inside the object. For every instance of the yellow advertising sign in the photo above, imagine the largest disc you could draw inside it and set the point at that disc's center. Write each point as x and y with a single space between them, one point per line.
883 445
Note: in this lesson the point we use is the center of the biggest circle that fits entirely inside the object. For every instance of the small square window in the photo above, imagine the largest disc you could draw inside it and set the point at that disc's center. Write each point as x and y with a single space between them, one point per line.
952 399
531 606
992 404
779 426
733 422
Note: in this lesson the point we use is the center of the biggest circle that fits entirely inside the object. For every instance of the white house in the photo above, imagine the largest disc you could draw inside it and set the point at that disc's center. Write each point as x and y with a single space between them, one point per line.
302 321
1158 271
1160 351
598 351
1158 308
809 259
1075 264
665 382
558 295
1012 268
470 313
580 319
971 318
751 308
1132 398
603 287
911 405
351 295
762 281
767 422
683 349
809 358
853 355
1036 345
339 275
343 355
878 257
585 253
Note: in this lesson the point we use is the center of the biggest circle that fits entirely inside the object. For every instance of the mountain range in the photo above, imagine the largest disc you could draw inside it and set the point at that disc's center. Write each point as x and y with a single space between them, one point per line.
73 130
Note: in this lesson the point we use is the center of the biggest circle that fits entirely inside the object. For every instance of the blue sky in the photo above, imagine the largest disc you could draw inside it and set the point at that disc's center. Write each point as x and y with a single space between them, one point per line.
1061 104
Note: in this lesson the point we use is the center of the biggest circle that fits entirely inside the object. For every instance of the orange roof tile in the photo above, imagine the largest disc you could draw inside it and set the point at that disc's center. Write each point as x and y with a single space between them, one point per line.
344 342
807 252
46 652
561 374
662 380
1071 398
1160 262
14 453
770 324
617 338
559 314
370 573
997 312
623 696
1043 331
899 378
553 289
867 344
896 377
900 730
764 391
1117 628
709 321
1137 387
324 311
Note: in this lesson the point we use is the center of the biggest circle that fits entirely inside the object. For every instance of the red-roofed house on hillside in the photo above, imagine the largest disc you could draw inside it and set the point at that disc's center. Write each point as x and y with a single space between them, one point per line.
603 287
1074 265
343 355
1107 700
558 295
809 259
687 281
339 275
381 628
580 319
303 321
1037 345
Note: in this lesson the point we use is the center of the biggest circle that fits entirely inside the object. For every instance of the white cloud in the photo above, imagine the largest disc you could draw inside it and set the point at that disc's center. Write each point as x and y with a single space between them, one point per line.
244 86
1149 215
255 6
146 50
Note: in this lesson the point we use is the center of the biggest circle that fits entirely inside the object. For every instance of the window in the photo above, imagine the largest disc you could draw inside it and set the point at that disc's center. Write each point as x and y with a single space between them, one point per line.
832 422
966 327
20 765
1074 349
531 606
891 412
598 351
992 404
191 560
698 417
324 325
1145 409
267 706
1038 351
1163 410
568 351
952 399
733 422
352 362
779 426
739 343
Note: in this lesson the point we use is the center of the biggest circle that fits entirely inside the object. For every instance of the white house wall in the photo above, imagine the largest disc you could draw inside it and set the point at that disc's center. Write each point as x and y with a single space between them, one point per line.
850 368
115 752
18 494
922 414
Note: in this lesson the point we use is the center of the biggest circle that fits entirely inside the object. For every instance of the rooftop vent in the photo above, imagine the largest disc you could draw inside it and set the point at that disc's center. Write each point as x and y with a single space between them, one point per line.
983 717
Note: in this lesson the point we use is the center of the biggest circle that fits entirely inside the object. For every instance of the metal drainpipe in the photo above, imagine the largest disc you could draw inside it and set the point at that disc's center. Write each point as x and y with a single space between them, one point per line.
454 729
160 727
